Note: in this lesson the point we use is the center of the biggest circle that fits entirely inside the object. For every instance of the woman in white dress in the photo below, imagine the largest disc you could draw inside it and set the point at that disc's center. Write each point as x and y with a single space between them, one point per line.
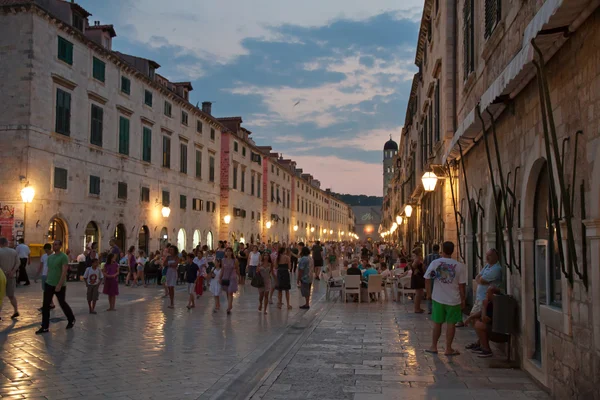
215 286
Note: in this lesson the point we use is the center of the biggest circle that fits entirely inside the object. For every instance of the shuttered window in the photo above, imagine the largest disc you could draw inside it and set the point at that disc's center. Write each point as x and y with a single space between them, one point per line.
437 111
60 178
96 126
123 135
183 158
243 181
146 144
199 164
492 16
468 38
94 185
166 198
211 168
145 195
125 85
122 191
148 98
63 112
430 131
65 50
235 174
166 152
98 69
182 201
168 108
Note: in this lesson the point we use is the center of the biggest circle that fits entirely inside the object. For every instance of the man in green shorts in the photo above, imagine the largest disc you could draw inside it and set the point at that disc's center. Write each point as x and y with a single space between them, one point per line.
448 296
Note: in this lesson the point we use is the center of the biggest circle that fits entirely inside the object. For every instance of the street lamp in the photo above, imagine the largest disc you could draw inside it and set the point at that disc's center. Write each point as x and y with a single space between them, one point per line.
331 231
268 224
342 233
398 220
324 231
166 211
227 219
429 180
408 210
295 228
27 194
312 229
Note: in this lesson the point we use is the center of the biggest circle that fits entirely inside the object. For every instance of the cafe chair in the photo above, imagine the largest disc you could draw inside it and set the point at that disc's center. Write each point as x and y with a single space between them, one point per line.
405 288
375 285
351 286
335 284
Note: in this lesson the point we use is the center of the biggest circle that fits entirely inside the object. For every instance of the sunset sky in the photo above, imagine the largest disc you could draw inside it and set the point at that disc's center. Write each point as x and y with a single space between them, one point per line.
349 64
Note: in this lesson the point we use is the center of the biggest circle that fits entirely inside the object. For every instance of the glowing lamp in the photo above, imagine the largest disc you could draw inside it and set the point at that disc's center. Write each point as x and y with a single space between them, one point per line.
166 211
27 194
429 180
408 210
295 228
227 219
268 224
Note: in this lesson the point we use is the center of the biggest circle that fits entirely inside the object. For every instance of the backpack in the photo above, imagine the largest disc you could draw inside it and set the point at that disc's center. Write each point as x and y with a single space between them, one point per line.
258 281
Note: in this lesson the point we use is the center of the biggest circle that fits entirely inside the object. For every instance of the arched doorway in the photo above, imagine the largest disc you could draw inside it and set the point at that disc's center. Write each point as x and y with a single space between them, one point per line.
120 236
92 234
144 239
196 238
252 238
209 240
181 240
57 230
163 238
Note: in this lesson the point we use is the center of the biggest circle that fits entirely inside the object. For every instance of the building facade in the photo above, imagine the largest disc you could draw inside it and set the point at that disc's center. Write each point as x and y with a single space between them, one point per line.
112 148
519 163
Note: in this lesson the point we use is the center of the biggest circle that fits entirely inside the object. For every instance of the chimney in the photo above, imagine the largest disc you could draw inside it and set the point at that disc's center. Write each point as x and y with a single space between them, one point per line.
207 107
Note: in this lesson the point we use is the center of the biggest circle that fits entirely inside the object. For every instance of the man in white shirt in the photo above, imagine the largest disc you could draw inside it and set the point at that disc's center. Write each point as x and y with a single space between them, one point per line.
448 296
25 256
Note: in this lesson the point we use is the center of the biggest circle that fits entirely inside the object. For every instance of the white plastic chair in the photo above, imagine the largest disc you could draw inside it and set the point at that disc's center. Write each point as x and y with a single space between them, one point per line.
336 278
375 285
405 288
351 286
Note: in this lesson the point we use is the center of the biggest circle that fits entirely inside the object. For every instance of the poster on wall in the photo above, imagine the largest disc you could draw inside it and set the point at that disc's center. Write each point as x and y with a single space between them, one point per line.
12 224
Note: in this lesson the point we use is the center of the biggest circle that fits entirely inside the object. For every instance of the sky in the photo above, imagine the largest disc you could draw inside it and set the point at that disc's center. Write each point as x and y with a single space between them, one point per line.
324 82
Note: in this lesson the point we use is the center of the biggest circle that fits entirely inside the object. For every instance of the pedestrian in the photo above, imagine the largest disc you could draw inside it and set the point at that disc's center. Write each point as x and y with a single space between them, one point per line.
114 248
294 254
317 255
215 285
220 253
111 280
171 262
304 277
253 261
131 267
230 277
191 276
43 270
10 264
202 264
242 257
93 277
283 278
448 296
434 255
25 257
140 263
266 271
2 290
58 266
417 279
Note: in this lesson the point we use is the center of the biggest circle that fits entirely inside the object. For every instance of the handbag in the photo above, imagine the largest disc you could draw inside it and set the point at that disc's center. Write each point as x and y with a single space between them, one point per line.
257 281
225 282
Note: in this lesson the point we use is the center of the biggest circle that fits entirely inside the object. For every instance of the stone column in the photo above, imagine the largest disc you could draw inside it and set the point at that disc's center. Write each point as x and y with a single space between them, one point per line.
593 235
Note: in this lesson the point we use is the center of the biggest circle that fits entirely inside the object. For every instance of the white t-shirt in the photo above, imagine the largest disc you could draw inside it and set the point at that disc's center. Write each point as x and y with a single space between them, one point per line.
22 250
254 258
44 261
141 261
93 276
448 274
81 258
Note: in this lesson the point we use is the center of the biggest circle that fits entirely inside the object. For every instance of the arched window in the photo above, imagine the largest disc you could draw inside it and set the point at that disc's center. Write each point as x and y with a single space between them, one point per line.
196 238
144 239
181 242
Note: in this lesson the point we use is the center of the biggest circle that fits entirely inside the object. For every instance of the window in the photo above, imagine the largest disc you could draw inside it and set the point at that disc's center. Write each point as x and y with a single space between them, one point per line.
235 146
212 134
166 152
166 198
243 152
493 14
65 50
298 203
243 180
199 126
168 109
146 144
258 183
258 216
198 163
235 171
98 69
184 118
211 168
288 199
148 98
123 135
430 132
63 112
436 102
277 171
252 215
78 22
60 178
122 191
197 205
182 201
252 177
429 30
94 185
145 195
272 169
183 158
96 127
468 38
125 85
272 192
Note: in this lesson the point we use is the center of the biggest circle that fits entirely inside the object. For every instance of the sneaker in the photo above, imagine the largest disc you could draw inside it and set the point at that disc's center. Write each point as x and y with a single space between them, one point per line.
41 331
472 346
15 315
71 324
485 353
476 350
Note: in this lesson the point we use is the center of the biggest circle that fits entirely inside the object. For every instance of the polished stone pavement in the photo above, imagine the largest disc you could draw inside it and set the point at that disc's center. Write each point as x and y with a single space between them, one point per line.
147 351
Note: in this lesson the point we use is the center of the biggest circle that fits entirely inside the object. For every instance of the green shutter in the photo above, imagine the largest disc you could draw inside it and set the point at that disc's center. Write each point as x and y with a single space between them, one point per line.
123 135
98 69
147 145
65 50
63 112
125 85
96 126
199 164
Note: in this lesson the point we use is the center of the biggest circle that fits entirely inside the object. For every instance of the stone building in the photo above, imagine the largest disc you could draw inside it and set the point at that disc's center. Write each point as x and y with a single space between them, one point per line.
521 149
112 148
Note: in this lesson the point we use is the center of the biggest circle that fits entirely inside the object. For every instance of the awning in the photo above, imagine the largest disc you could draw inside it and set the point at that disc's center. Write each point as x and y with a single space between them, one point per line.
554 18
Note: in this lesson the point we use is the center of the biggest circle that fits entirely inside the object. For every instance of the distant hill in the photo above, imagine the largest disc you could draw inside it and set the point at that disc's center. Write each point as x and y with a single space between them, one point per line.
360 200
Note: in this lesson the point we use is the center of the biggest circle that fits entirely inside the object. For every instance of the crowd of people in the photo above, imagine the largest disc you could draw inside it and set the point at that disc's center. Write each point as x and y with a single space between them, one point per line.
268 267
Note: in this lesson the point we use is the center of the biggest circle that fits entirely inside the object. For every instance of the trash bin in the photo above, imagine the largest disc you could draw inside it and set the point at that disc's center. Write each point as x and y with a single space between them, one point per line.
505 315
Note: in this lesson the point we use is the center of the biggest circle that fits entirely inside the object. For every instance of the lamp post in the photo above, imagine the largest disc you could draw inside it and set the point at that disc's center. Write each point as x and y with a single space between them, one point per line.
408 210
429 180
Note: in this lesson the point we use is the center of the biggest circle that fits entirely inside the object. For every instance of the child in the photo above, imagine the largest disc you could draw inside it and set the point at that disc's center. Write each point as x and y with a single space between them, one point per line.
140 265
163 280
43 269
93 276
191 275
215 286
